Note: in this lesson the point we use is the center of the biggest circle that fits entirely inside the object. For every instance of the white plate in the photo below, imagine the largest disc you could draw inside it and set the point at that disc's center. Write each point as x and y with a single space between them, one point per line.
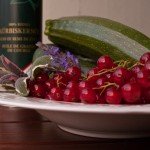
103 121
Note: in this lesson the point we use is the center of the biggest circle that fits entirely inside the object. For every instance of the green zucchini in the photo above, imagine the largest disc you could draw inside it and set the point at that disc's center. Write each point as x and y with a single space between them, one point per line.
92 37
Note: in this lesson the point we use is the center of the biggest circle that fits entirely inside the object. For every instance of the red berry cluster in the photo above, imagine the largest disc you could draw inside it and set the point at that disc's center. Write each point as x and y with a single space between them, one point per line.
107 83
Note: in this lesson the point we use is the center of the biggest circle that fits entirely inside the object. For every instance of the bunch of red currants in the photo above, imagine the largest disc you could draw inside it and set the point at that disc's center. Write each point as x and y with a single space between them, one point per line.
108 83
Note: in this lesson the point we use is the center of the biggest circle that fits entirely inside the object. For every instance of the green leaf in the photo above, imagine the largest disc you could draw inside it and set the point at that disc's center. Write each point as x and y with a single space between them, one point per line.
10 66
9 78
38 53
7 88
43 60
40 62
21 86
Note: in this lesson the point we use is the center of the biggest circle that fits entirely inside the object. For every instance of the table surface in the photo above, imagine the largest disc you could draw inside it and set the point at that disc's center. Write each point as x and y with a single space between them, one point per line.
45 135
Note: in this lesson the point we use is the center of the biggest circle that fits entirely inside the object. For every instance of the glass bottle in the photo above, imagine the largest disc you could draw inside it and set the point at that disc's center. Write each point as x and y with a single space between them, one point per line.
20 29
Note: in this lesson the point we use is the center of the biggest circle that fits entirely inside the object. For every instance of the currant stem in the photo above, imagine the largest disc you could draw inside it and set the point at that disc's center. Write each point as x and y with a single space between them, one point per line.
83 76
124 63
137 63
107 84
57 81
103 72
60 83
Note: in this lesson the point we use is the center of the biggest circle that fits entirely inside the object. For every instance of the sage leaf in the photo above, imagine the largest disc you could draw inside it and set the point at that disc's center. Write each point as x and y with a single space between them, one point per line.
21 86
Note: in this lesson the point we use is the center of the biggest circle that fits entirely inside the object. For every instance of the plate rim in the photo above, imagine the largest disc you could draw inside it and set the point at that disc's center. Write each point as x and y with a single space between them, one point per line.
50 105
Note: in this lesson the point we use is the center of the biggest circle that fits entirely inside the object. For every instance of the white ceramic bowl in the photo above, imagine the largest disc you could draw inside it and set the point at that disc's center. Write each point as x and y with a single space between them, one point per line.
103 121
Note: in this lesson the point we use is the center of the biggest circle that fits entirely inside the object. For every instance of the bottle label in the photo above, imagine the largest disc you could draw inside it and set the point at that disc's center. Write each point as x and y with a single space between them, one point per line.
20 29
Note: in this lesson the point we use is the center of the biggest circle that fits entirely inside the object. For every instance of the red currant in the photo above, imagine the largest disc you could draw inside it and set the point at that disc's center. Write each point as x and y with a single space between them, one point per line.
56 93
71 95
93 71
131 93
146 95
145 57
83 85
121 75
147 67
113 96
88 96
41 78
143 78
136 69
105 62
49 84
92 80
133 80
72 84
38 90
109 77
48 96
101 99
101 81
30 83
73 73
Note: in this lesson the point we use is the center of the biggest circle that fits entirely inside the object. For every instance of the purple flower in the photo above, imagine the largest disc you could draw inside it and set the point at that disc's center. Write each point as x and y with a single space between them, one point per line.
52 50
61 60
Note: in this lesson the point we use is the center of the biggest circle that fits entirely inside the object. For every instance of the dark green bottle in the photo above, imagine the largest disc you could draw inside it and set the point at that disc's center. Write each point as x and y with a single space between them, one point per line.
20 29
